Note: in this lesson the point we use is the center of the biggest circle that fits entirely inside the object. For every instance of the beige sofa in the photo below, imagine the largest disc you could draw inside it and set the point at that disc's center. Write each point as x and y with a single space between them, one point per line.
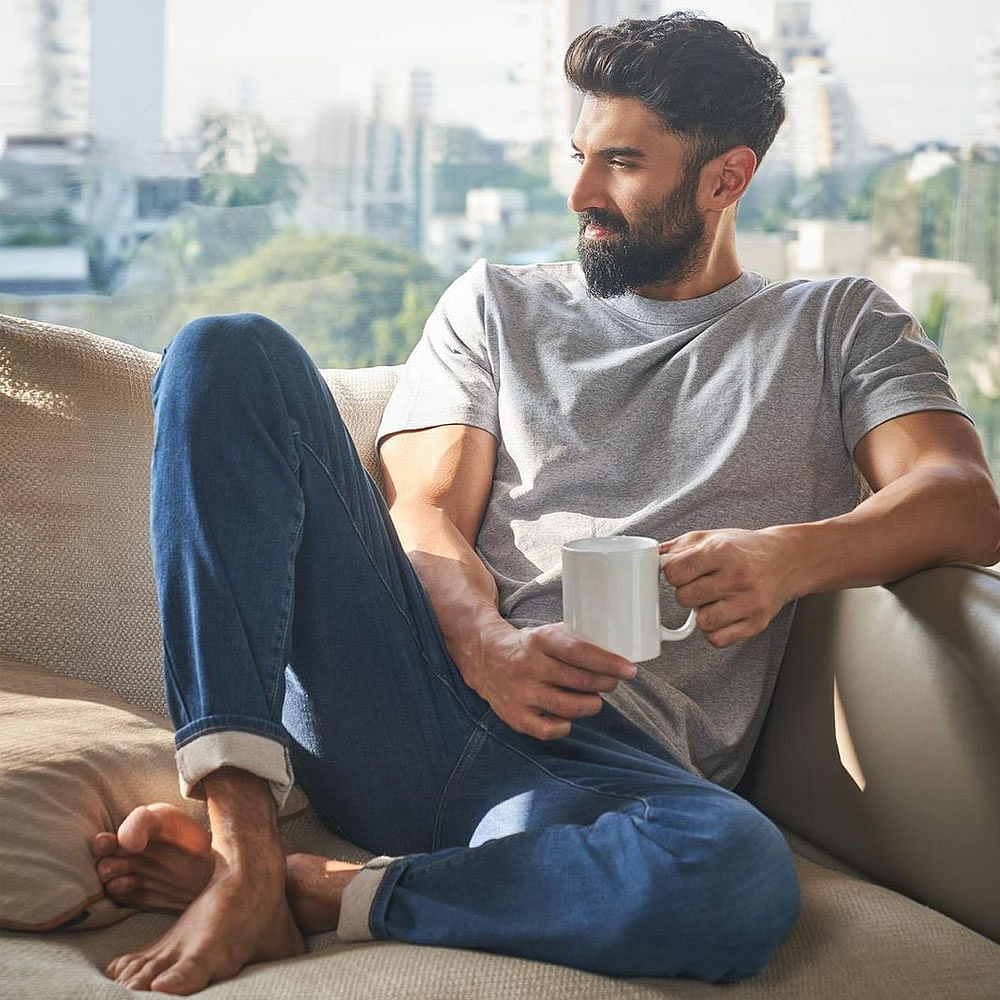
880 756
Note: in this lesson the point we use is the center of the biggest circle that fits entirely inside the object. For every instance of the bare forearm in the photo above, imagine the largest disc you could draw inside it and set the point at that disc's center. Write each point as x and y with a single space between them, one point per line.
933 515
461 589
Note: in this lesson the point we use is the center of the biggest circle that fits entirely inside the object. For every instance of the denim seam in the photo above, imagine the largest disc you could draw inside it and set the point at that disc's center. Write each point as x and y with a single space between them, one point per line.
462 764
568 781
353 523
229 728
279 673
402 610
168 681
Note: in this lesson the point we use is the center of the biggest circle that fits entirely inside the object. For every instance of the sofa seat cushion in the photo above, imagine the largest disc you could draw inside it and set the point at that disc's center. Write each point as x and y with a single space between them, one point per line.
854 940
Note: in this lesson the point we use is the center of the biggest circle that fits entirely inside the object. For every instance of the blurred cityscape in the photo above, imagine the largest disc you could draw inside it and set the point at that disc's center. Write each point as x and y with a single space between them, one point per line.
347 230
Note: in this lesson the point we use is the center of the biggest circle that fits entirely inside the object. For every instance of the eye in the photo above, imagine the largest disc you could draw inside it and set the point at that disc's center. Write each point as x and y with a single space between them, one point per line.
576 156
621 164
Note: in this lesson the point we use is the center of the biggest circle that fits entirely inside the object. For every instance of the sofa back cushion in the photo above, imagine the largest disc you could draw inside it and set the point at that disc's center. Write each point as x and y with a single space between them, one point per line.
77 594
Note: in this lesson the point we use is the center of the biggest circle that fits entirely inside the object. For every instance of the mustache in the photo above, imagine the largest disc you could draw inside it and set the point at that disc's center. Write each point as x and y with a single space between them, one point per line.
598 217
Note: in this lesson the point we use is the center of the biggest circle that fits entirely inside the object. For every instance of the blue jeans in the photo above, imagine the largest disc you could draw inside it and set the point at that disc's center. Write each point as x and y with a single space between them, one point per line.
293 619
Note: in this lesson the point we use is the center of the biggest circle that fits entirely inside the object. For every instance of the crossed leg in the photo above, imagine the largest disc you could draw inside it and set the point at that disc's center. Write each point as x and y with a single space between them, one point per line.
238 916
161 860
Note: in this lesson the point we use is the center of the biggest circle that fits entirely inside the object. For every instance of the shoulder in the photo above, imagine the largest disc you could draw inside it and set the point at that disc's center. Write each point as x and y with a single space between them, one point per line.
560 281
848 291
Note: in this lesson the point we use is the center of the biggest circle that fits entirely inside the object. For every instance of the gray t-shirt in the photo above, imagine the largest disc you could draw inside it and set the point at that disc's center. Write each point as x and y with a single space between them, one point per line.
630 416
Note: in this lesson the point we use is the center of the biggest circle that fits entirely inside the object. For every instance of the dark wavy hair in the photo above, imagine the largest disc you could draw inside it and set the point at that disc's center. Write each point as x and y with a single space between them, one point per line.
704 81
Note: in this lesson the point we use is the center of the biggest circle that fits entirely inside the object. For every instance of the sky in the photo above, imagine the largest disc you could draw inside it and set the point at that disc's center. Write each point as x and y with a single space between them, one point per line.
911 65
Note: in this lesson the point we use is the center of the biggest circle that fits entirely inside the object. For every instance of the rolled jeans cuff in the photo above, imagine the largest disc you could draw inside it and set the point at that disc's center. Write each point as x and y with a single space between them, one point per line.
258 755
357 899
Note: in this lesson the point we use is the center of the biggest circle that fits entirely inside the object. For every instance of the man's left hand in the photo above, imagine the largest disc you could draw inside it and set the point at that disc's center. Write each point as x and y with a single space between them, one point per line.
738 580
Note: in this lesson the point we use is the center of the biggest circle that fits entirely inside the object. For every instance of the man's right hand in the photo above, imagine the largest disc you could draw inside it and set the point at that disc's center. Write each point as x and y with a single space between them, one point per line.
539 679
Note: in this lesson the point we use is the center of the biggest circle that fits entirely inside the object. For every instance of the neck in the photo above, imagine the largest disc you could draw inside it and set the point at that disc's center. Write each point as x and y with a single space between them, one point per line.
716 264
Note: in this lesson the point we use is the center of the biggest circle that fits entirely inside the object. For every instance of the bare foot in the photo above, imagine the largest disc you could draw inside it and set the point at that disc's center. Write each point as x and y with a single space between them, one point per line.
161 859
314 886
241 916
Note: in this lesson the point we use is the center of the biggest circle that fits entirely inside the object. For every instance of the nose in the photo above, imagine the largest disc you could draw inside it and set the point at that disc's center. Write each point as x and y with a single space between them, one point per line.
588 191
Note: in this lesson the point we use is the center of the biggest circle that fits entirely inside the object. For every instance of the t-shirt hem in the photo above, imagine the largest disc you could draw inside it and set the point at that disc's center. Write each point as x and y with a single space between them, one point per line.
900 407
423 419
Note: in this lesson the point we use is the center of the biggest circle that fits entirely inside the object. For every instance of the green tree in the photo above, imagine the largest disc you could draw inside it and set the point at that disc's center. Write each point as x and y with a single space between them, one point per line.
935 317
244 162
350 300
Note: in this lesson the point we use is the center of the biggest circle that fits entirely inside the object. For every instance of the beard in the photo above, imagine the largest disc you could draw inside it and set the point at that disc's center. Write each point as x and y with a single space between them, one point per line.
664 245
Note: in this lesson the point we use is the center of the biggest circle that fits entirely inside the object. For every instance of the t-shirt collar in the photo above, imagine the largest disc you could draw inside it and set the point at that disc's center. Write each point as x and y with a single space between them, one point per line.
688 312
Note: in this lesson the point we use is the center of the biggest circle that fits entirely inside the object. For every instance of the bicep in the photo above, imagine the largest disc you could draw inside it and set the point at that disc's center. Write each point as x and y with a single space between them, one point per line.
449 467
930 437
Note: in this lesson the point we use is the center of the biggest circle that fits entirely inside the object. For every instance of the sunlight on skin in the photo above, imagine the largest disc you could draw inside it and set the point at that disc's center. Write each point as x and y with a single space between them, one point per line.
845 744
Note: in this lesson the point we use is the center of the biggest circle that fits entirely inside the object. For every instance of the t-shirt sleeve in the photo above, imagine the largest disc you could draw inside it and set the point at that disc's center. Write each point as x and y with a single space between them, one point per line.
448 377
889 366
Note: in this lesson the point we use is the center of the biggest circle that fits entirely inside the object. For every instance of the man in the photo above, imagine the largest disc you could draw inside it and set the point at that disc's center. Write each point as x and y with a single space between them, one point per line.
529 793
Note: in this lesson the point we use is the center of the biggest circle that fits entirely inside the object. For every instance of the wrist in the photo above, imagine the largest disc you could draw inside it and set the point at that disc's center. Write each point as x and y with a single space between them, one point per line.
803 557
471 645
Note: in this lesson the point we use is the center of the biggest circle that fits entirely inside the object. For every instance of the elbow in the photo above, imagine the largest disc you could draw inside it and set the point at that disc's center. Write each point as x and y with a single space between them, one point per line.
987 538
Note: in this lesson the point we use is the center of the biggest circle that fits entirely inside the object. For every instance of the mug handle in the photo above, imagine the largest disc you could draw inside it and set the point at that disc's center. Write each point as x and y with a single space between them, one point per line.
674 634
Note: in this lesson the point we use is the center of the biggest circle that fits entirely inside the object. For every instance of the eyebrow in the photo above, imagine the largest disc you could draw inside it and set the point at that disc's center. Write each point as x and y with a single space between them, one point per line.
610 152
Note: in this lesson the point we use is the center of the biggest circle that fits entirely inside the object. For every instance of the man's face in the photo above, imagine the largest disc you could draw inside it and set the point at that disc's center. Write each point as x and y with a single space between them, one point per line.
639 221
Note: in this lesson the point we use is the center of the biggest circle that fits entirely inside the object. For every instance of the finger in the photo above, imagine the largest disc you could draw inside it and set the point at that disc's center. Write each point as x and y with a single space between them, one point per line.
560 645
565 704
720 614
683 567
702 591
545 727
723 637
679 542
574 679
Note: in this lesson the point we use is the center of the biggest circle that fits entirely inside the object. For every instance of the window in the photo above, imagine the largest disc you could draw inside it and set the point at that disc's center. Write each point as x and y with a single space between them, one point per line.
172 157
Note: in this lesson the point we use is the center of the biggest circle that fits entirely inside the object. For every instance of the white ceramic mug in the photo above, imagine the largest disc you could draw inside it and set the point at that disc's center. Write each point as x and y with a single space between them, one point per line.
611 595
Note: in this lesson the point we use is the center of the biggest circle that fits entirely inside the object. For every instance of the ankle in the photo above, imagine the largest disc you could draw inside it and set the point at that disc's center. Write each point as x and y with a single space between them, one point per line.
244 820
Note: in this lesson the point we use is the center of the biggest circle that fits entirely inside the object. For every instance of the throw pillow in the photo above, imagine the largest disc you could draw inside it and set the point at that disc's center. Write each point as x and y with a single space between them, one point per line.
74 760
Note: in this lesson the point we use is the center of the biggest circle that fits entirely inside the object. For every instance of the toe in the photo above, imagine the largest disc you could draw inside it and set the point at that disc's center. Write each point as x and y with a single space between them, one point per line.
124 885
183 978
146 973
136 830
103 844
109 868
122 969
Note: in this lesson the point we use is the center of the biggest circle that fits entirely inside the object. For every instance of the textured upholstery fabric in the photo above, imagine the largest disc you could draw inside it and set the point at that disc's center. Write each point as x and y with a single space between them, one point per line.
76 576
77 598
855 941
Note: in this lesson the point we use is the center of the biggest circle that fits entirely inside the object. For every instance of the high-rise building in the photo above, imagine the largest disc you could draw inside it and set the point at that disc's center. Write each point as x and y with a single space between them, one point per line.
86 66
988 70
563 21
371 174
48 55
822 129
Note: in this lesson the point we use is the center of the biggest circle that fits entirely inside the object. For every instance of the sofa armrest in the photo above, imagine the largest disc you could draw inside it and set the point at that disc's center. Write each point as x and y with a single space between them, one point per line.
882 743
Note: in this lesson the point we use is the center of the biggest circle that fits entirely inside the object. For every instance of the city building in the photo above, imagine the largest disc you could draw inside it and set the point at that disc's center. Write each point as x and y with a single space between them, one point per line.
456 241
562 21
86 67
822 129
372 174
988 71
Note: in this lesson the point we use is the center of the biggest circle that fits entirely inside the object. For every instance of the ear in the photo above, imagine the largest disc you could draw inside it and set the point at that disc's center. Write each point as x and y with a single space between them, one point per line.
724 180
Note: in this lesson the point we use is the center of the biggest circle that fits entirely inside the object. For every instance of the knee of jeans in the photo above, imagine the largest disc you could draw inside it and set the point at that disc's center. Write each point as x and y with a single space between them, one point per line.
740 894
222 341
